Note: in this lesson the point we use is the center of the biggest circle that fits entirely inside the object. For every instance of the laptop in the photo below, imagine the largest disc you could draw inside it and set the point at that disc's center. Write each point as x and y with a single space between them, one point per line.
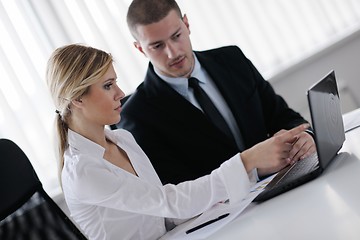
327 122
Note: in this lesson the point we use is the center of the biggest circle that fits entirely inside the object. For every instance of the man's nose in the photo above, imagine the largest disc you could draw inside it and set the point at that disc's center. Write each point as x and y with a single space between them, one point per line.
171 50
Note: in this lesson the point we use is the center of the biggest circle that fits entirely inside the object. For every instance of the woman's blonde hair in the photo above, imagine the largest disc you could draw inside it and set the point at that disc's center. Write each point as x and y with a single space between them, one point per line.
70 71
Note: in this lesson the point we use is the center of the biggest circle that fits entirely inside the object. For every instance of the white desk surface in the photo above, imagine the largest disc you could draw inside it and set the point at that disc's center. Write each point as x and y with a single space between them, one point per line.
327 207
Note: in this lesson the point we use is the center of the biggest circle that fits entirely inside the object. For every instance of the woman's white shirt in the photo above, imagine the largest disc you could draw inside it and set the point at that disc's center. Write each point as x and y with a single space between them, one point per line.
108 202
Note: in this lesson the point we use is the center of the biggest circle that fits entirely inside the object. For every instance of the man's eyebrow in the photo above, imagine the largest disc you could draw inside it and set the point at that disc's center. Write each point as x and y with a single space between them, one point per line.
155 43
160 41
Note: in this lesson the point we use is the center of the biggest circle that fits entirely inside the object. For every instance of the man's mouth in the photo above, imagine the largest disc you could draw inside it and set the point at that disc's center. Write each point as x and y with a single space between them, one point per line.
177 61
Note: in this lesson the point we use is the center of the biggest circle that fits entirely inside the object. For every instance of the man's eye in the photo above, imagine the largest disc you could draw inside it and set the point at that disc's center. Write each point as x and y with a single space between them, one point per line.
177 36
157 46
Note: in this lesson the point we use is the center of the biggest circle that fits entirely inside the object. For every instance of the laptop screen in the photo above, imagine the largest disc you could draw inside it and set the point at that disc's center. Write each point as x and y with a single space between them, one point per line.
326 117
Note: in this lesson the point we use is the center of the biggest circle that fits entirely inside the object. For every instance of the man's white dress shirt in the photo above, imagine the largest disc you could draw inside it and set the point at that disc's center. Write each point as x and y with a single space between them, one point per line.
108 202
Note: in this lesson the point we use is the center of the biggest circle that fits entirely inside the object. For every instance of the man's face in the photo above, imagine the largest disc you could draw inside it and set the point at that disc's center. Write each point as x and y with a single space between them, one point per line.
167 45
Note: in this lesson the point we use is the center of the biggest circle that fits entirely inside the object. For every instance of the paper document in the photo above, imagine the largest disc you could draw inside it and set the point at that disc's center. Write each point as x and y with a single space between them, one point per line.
351 120
219 209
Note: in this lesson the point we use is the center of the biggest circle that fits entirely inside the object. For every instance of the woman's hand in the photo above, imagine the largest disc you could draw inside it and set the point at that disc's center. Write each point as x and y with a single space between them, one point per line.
278 151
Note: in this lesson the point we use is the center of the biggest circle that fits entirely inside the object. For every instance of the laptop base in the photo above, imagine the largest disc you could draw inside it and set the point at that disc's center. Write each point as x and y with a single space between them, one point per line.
275 190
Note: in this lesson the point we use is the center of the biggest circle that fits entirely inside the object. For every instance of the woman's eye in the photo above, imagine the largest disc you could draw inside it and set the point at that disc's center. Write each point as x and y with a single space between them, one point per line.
107 86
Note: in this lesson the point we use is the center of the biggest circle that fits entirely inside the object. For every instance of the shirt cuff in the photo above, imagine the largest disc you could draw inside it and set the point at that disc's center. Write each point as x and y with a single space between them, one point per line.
311 132
237 181
253 175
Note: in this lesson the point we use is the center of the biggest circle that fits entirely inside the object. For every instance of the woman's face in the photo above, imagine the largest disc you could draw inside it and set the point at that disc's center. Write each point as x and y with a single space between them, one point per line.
101 104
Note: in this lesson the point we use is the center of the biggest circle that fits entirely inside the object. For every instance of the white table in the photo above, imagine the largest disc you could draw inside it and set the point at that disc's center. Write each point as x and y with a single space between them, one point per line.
327 207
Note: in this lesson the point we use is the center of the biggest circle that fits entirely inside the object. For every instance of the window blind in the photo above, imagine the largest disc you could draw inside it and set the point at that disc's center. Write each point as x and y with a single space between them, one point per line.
274 34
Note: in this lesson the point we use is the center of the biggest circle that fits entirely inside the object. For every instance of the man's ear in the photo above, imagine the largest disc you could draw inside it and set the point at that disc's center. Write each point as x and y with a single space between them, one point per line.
186 22
138 46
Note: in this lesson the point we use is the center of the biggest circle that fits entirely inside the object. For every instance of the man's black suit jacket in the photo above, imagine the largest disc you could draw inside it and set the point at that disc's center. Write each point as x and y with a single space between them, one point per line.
176 136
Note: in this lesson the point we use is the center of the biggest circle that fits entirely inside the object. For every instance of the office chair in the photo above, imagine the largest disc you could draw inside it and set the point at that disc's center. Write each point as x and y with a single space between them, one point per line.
26 210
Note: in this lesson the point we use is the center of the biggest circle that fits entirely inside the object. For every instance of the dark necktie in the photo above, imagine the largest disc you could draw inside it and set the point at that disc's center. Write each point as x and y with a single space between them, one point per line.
209 109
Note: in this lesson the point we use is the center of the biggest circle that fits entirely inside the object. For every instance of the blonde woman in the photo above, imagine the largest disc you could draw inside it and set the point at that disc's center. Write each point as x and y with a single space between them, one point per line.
109 184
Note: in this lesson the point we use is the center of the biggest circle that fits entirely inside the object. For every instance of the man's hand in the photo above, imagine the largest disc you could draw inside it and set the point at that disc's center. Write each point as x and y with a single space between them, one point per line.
302 147
278 151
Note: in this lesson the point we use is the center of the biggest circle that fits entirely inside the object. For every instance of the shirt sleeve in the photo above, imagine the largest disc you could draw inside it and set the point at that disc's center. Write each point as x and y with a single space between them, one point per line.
237 182
94 184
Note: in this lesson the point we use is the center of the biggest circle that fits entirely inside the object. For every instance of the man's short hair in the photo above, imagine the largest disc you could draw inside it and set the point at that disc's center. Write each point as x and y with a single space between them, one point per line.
144 12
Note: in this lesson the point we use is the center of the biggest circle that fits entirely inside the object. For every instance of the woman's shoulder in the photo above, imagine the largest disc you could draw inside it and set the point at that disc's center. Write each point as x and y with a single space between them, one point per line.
119 134
123 138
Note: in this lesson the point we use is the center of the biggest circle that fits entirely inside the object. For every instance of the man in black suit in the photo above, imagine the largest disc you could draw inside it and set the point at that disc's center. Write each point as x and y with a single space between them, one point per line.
166 119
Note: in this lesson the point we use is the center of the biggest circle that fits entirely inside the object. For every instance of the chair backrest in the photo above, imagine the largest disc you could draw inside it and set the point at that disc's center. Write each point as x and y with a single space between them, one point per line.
26 210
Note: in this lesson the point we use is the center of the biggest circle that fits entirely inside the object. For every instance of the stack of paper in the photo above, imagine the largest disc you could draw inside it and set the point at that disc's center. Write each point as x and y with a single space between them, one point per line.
351 120
231 210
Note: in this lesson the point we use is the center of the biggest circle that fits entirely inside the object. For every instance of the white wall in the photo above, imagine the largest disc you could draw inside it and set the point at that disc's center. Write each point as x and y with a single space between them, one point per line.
342 57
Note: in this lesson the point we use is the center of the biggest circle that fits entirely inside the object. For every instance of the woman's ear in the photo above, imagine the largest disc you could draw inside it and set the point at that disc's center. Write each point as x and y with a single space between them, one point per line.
77 102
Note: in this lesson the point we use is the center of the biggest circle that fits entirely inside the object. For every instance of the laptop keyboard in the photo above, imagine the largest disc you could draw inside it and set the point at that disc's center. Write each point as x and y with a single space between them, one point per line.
300 168
290 177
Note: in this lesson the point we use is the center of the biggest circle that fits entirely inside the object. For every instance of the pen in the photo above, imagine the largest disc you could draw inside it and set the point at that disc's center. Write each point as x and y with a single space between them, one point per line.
207 223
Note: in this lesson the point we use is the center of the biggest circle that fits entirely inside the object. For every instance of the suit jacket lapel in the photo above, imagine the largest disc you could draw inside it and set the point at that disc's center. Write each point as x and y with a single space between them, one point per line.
227 84
177 106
